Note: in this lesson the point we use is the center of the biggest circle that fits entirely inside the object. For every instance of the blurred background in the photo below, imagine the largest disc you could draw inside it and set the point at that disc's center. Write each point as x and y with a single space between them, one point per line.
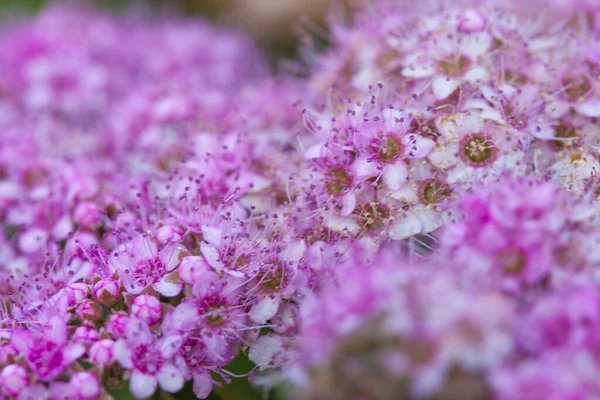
275 24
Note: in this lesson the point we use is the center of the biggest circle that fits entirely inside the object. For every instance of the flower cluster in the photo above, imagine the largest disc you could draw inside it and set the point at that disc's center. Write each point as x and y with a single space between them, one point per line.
415 217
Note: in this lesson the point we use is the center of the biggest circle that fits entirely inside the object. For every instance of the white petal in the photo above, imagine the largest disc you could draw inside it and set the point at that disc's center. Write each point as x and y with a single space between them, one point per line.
170 345
203 384
185 317
417 146
395 175
340 224
348 204
268 351
589 108
407 194
364 169
444 87
170 378
477 74
476 45
123 354
142 385
211 235
168 288
444 155
405 226
265 309
211 255
170 256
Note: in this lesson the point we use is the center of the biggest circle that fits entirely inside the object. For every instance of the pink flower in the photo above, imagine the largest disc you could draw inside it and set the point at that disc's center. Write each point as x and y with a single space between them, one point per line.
149 360
140 264
47 356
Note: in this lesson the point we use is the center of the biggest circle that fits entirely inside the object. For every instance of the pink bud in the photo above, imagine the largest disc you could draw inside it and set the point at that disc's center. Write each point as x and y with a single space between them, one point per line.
77 292
6 352
85 334
168 233
192 268
86 385
147 308
115 325
13 379
88 215
106 291
472 21
101 352
89 311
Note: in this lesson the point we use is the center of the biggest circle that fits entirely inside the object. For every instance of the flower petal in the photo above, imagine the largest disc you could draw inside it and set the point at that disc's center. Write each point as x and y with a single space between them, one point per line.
123 354
170 378
395 175
142 385
444 87
203 384
264 309
405 227
167 287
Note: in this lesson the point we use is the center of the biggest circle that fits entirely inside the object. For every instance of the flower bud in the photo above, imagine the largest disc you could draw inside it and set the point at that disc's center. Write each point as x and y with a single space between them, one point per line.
101 352
106 291
89 311
147 308
13 379
115 325
86 385
76 292
85 334
169 233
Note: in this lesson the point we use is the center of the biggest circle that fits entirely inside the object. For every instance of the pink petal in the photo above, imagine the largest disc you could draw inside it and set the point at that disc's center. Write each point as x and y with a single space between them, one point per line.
142 385
170 378
57 331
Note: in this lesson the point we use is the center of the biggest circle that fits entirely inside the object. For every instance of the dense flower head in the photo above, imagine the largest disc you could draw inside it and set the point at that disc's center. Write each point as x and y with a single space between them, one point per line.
414 216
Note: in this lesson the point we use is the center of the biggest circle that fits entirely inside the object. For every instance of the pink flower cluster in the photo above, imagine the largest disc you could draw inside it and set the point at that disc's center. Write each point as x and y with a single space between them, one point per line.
415 217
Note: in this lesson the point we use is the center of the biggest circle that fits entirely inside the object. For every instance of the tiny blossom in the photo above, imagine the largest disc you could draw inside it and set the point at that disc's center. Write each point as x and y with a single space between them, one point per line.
146 308
106 291
413 209
86 385
13 379
102 353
